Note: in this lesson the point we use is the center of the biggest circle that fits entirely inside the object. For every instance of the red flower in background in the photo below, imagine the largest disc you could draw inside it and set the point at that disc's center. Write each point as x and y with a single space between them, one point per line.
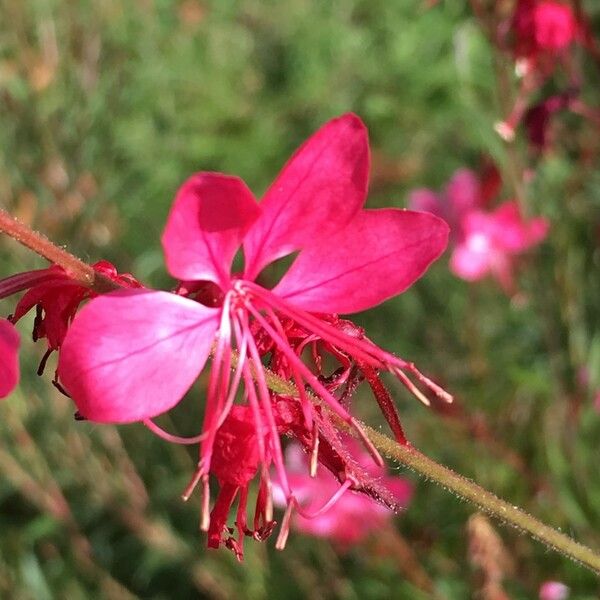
9 358
133 354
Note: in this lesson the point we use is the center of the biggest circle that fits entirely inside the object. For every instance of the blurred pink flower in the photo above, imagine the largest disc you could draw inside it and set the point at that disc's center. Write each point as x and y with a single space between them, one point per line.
346 518
485 242
542 27
553 590
463 194
491 241
9 358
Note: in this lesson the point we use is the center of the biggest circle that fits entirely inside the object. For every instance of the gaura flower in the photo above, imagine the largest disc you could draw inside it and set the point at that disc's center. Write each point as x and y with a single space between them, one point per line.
354 516
542 28
491 241
464 193
486 242
9 358
132 355
56 297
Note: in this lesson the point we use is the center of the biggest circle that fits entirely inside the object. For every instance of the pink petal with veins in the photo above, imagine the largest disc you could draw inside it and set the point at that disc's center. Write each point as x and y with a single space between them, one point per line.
205 227
132 355
322 186
378 255
9 358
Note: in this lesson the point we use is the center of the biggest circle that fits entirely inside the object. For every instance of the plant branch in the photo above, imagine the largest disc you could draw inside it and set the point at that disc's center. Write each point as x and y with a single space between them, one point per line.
464 488
40 244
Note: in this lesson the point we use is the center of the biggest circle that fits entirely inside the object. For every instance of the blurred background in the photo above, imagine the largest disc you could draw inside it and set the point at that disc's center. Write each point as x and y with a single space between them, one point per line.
107 106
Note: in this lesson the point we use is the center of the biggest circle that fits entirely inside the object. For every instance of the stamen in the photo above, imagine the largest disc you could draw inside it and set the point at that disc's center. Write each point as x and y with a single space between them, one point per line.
314 454
169 437
265 399
205 510
215 394
284 531
434 387
305 403
330 503
191 486
411 387
319 389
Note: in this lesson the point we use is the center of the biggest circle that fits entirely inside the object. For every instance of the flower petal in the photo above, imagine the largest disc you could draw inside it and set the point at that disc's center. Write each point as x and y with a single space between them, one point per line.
378 255
9 358
131 355
322 186
207 222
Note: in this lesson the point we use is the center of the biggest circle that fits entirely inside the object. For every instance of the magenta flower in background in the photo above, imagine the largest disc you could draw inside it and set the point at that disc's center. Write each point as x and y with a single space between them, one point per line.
491 242
486 242
553 590
9 358
542 29
354 516
132 355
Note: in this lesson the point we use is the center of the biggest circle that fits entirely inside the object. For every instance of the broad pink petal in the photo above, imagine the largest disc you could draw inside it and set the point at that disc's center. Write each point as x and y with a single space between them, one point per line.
322 186
471 259
132 355
9 358
512 232
208 220
378 255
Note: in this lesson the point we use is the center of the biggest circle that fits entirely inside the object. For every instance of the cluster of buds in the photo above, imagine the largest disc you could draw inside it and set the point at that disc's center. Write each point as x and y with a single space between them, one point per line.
283 363
541 37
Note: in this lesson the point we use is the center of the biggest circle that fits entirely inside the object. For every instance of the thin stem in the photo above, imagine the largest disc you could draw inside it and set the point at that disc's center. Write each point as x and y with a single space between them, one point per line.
40 244
464 488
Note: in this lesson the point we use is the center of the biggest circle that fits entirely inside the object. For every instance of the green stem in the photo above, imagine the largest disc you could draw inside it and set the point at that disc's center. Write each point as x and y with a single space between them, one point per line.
404 454
40 244
464 488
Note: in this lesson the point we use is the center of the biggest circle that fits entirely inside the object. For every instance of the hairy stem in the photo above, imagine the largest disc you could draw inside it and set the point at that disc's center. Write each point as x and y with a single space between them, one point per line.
40 244
464 488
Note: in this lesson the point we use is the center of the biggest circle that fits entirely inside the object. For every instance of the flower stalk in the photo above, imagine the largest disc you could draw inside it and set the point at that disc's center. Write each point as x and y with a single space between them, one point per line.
78 270
404 454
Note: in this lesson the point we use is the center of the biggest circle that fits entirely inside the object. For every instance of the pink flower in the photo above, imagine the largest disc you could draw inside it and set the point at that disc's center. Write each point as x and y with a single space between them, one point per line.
491 242
344 516
9 358
56 298
553 590
464 193
133 354
542 27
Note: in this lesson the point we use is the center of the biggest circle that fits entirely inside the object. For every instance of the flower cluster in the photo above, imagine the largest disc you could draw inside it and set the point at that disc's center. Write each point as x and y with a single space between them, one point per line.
541 37
486 241
132 354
